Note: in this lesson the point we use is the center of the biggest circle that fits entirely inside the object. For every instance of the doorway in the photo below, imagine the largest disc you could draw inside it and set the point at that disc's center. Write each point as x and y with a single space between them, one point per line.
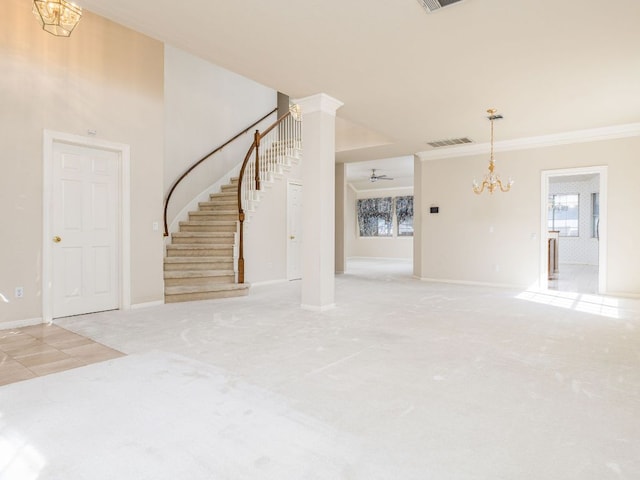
573 230
85 242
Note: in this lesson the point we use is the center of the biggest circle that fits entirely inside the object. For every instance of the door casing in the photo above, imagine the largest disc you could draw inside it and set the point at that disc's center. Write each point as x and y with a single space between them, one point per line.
50 139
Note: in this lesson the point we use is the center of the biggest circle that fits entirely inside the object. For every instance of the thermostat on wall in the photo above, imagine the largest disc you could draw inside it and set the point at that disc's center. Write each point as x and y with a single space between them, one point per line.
434 209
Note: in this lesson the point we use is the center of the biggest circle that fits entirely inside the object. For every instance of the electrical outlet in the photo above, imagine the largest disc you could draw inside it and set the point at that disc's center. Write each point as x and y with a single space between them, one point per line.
19 292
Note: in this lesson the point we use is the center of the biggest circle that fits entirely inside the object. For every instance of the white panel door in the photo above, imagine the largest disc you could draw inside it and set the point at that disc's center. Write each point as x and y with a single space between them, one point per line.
84 227
294 238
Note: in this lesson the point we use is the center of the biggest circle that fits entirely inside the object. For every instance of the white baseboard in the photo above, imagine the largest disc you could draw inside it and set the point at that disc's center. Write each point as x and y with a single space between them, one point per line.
313 308
632 296
27 322
394 259
147 304
269 282
473 284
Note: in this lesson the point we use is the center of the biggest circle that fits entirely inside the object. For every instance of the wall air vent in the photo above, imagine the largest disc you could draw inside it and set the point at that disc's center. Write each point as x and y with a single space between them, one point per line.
448 143
431 5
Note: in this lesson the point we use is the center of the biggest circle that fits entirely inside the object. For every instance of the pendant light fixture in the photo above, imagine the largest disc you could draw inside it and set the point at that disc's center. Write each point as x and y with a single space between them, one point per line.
58 17
492 180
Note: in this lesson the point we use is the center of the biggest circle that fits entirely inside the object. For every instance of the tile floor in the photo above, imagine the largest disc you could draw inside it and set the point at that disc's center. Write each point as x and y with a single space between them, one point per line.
576 278
43 349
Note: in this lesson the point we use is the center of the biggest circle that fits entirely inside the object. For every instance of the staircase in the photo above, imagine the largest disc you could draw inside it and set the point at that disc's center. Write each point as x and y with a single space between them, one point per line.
205 257
199 264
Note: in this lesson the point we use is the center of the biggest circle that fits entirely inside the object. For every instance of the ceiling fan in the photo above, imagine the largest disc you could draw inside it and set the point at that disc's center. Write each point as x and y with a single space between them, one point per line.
375 178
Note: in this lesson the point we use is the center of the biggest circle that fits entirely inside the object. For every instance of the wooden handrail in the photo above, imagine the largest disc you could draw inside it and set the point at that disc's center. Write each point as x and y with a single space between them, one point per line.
241 213
241 216
192 167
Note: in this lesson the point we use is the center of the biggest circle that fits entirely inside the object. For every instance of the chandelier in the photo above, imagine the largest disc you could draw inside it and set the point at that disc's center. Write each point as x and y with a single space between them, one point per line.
58 17
491 180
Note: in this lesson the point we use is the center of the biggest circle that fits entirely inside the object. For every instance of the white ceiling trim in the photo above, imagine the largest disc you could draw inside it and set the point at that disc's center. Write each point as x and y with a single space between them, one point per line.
579 136
366 190
320 102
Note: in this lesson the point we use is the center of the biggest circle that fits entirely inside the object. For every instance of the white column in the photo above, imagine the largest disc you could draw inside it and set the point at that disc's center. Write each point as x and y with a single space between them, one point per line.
318 200
419 209
341 187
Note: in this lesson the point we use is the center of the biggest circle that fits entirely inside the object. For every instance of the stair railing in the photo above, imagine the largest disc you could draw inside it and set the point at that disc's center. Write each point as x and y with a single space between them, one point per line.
192 167
273 147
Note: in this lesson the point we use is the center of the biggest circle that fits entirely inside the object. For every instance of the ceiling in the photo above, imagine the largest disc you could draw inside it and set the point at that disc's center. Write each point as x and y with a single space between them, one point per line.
400 169
407 77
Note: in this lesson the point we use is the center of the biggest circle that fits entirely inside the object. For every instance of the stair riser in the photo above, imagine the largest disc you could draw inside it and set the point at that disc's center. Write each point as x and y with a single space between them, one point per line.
224 196
175 282
189 297
223 264
202 240
208 228
213 217
206 252
200 265
219 204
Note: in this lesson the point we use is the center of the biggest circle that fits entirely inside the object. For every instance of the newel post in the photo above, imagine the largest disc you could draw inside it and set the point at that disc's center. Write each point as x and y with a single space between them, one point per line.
241 216
256 138
241 248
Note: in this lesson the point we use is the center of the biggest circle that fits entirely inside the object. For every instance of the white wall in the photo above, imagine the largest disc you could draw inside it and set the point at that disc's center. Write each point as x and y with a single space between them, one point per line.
350 222
376 247
206 105
266 233
105 78
494 239
582 249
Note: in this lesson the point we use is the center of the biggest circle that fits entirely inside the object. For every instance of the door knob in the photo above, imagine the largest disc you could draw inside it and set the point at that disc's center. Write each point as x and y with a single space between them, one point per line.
57 239
292 237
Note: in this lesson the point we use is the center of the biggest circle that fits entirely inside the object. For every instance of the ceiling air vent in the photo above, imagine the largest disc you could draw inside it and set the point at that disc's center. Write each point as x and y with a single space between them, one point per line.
448 143
431 5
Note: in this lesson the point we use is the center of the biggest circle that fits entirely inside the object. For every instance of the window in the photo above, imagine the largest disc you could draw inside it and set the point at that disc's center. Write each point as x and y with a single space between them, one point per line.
404 214
375 217
595 215
564 214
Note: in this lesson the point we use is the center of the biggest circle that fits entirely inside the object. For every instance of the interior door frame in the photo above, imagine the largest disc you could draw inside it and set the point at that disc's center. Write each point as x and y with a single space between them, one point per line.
290 182
50 139
603 224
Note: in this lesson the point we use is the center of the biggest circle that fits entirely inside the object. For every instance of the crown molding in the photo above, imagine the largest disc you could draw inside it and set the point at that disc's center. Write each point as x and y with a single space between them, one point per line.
578 136
381 189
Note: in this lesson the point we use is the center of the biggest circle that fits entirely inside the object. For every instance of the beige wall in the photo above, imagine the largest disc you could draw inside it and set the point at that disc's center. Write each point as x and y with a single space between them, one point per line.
105 78
490 238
